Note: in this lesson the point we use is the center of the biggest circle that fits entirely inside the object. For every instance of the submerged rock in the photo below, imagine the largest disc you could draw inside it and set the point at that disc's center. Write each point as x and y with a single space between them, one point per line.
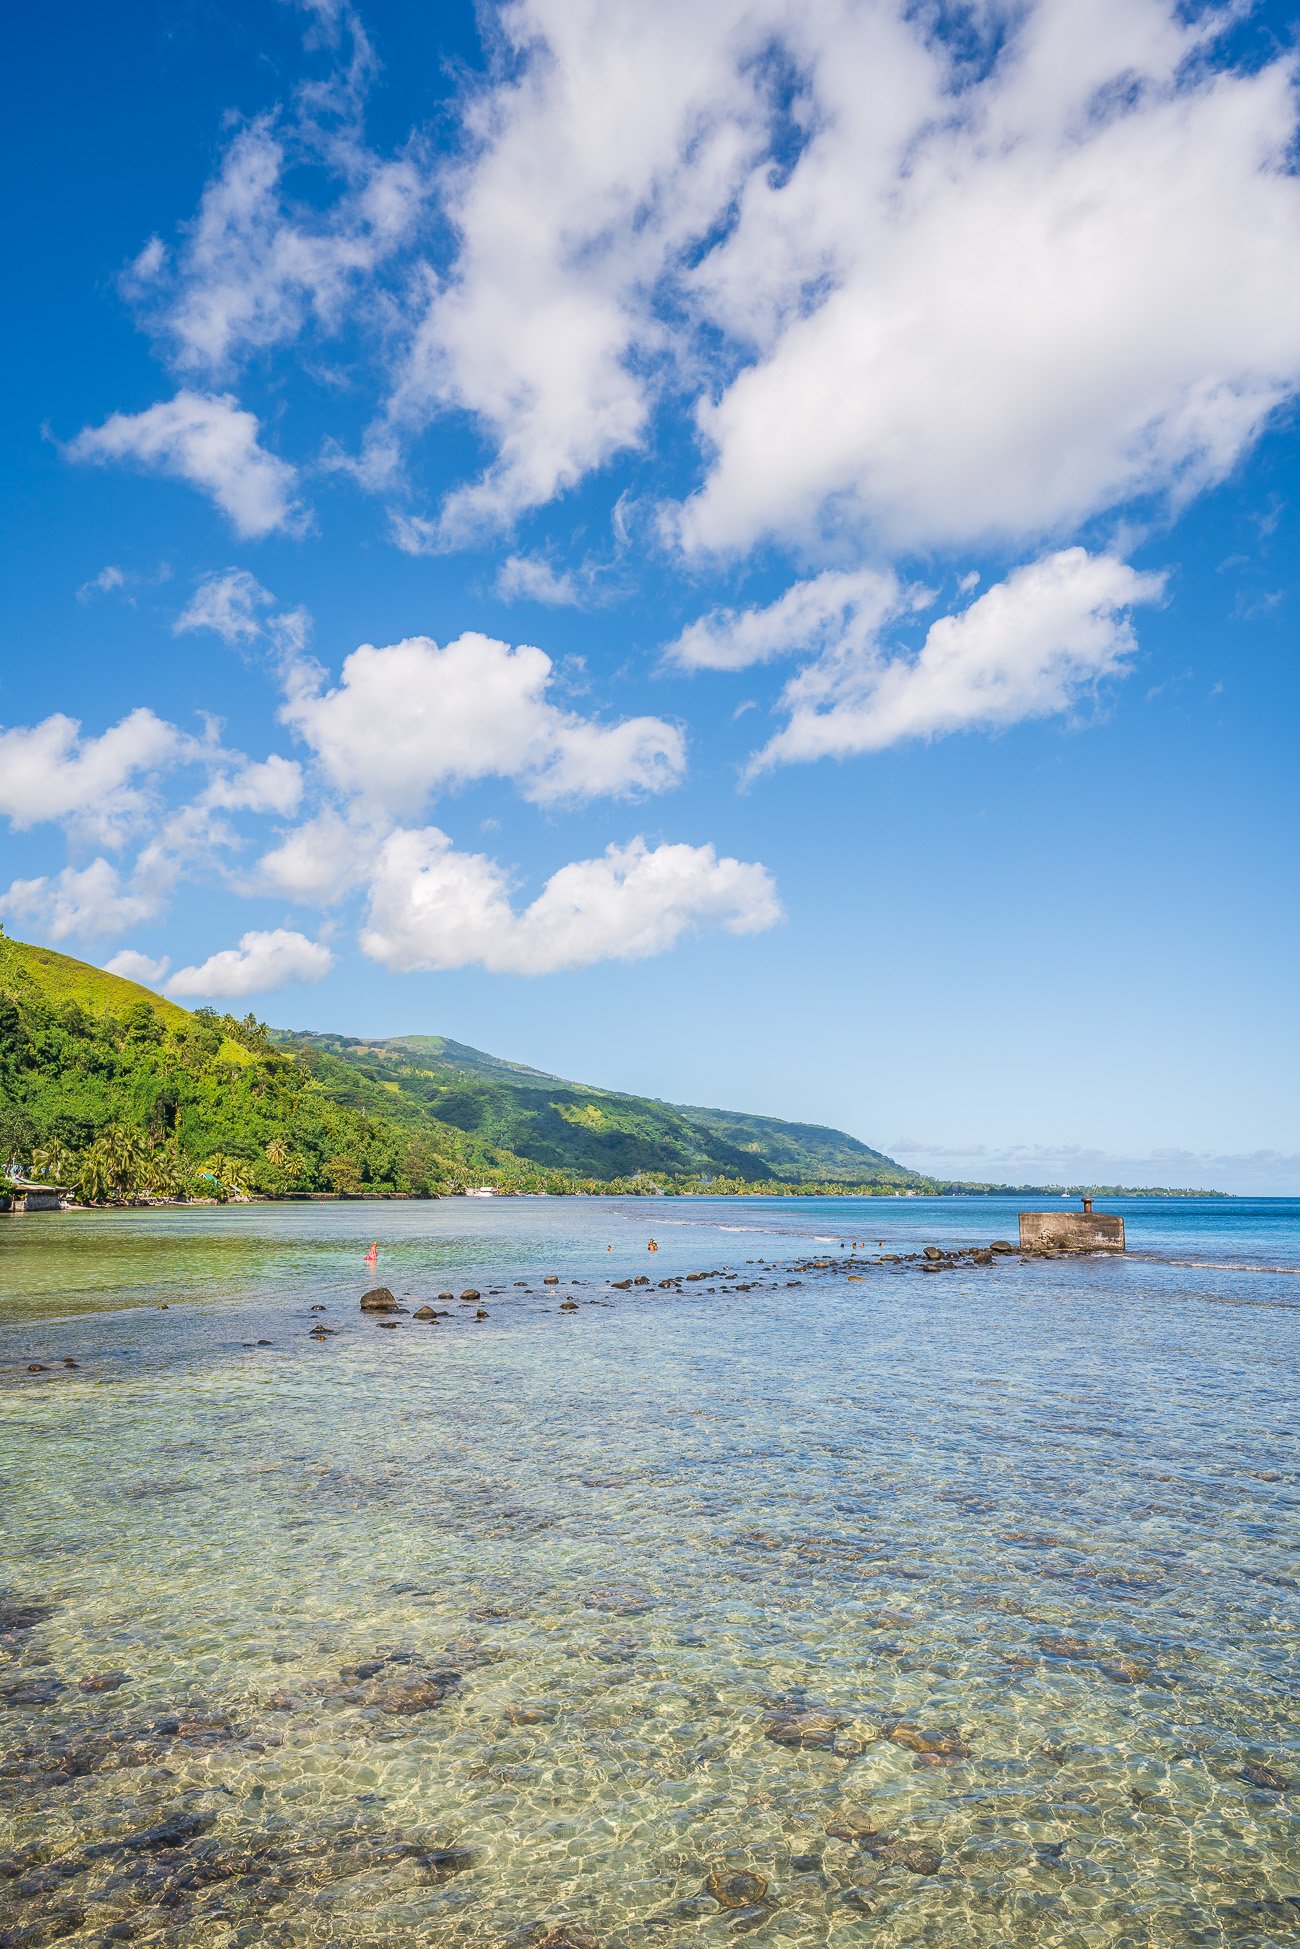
1065 1647
555 1935
101 1681
916 1856
1260 1775
740 1890
803 1726
18 1617
621 1600
527 1714
942 1741
741 1920
852 1824
409 1696
1124 1671
32 1691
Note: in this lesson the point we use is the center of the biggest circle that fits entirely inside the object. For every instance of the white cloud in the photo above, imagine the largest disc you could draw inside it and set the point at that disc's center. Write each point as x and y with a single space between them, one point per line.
92 902
533 579
209 440
912 295
614 139
228 603
1025 648
134 966
50 771
318 862
261 962
272 784
413 718
434 907
103 584
253 269
840 609
1068 288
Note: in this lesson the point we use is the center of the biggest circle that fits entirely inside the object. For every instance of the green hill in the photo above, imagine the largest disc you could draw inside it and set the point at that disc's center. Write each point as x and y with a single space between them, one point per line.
593 1133
112 1090
108 1088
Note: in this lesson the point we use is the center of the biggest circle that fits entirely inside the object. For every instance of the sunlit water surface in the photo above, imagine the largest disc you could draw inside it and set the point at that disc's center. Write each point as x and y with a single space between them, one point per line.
479 1630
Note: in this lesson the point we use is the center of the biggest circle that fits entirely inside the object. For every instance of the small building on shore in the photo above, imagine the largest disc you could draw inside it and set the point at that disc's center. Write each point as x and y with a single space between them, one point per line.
1072 1231
26 1195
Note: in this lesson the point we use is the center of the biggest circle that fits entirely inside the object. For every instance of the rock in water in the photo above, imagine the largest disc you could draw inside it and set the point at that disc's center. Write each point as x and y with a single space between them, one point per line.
378 1300
1266 1777
852 1824
101 1681
942 1740
803 1726
741 1890
915 1856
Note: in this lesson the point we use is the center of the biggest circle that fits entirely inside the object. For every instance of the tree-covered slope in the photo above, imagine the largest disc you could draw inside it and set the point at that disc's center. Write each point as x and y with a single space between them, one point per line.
595 1133
114 1091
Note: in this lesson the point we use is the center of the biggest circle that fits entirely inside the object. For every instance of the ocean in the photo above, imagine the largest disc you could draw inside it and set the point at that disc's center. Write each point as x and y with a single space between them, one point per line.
816 1602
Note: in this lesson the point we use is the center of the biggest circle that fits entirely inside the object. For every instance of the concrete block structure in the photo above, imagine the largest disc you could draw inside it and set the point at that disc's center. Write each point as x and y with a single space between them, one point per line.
1072 1231
24 1195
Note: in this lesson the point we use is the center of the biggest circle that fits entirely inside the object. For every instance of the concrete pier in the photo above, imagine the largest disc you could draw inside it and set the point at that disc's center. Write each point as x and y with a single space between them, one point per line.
1072 1231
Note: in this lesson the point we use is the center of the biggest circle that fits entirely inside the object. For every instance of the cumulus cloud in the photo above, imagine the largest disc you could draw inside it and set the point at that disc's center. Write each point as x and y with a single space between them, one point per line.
262 962
319 862
50 771
533 579
134 966
209 440
413 718
1025 648
839 610
253 268
433 907
92 902
912 294
272 784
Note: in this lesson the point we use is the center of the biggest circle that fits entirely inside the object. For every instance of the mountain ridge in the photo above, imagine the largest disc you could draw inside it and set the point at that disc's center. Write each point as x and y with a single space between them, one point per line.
116 1090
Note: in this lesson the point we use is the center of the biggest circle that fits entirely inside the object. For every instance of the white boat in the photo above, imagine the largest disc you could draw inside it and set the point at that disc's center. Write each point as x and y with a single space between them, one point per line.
481 1191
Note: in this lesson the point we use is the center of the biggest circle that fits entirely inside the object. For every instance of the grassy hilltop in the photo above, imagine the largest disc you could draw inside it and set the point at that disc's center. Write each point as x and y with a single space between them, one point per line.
112 1089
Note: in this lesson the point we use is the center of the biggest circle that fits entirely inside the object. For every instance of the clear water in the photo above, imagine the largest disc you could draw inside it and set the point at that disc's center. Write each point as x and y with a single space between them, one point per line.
1043 1513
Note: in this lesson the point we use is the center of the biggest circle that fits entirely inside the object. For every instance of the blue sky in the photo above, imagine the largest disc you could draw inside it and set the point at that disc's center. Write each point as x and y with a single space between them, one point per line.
746 554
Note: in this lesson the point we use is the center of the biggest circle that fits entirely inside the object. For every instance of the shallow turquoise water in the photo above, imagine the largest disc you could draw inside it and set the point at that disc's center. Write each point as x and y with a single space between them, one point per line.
1044 1514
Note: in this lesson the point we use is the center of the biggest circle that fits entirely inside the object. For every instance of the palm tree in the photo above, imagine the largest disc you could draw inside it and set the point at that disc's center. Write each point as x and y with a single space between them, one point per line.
114 1167
54 1163
230 1173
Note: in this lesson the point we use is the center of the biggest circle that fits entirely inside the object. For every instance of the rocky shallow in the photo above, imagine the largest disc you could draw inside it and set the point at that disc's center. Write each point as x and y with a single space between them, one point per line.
803 1598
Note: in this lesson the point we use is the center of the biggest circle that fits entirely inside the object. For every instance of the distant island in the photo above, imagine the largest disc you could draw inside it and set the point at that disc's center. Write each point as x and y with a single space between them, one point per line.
117 1095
